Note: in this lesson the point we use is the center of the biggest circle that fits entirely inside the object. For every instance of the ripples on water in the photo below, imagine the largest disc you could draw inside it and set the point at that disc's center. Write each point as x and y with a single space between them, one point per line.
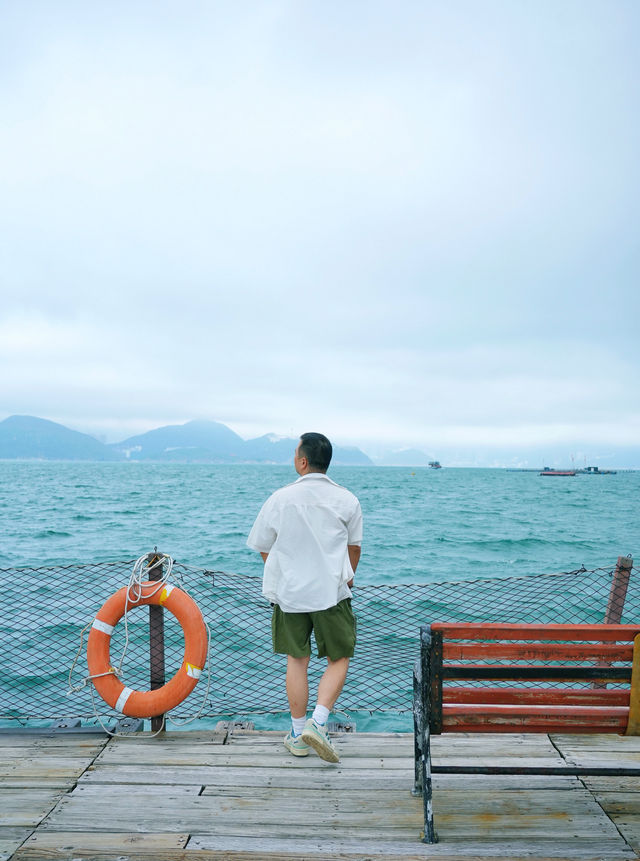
419 524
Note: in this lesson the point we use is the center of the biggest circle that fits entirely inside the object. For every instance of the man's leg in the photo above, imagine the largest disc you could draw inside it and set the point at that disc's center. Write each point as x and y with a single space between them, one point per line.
315 731
332 682
298 696
298 686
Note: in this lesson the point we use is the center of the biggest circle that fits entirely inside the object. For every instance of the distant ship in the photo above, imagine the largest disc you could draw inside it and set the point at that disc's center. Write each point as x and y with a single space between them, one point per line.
594 470
588 470
435 464
548 471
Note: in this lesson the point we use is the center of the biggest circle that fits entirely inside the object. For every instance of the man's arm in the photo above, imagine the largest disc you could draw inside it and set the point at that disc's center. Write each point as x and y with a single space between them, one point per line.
354 551
264 556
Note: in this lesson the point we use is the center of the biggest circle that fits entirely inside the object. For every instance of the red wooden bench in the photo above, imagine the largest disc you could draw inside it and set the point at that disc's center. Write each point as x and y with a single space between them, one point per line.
522 678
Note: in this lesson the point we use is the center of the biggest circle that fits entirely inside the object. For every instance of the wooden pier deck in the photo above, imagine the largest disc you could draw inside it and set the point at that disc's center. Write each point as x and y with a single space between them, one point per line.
198 796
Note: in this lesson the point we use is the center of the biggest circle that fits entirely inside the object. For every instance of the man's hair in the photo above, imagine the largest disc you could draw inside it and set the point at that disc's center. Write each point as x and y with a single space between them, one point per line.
317 450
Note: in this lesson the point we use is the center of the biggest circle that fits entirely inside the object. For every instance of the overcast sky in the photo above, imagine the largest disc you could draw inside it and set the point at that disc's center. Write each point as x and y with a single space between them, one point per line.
410 223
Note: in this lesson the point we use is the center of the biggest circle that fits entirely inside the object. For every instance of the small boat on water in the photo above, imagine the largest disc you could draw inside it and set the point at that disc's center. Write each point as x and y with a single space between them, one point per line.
548 471
435 464
595 470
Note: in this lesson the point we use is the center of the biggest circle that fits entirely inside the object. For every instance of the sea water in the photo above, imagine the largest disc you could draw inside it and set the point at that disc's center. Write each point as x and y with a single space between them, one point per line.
421 525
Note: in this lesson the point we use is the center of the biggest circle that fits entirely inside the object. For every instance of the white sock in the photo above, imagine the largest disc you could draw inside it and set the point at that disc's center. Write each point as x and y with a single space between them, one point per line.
297 724
320 714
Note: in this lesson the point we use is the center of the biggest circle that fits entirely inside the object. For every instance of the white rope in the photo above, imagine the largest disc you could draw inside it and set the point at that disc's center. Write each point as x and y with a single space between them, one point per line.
198 714
135 593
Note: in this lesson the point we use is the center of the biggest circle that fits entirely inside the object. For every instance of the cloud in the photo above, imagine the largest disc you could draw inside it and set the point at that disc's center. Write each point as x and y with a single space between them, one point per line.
413 224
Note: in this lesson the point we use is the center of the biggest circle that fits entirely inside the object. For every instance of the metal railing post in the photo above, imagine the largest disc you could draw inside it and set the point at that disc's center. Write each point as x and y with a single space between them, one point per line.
156 640
615 604
618 593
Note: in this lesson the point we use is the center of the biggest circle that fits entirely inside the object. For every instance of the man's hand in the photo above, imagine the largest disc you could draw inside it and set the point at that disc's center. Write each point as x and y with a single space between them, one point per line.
354 551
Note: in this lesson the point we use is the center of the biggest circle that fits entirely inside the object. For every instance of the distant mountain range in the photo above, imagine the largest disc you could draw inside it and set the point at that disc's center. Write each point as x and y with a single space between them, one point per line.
31 438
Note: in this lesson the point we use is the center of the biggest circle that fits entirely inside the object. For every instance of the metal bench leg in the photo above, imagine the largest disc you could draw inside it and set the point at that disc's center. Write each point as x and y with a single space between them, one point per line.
422 736
430 835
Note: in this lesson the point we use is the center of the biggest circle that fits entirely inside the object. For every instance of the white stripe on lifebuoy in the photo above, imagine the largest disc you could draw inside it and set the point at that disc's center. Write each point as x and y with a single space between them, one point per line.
105 627
194 672
122 699
168 589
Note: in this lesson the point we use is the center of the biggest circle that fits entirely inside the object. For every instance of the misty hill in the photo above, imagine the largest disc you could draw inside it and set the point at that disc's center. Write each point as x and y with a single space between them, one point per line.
213 442
28 437
193 442
273 449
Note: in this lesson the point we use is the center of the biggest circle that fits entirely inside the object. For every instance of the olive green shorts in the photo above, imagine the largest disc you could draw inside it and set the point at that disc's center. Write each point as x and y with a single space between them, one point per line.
333 628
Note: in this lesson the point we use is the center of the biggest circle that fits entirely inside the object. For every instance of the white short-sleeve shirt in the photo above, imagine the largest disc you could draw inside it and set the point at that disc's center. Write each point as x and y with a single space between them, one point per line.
305 528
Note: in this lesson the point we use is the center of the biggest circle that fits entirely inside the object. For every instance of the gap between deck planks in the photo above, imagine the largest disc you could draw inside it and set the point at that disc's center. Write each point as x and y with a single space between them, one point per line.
182 796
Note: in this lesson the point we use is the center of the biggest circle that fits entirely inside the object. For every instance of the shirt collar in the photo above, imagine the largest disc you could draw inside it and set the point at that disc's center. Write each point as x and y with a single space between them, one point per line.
315 475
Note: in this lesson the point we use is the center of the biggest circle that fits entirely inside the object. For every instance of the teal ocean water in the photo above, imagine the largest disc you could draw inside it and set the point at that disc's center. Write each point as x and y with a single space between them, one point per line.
420 524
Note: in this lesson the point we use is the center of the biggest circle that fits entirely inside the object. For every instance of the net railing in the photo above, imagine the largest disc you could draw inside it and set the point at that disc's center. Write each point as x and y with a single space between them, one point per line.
44 610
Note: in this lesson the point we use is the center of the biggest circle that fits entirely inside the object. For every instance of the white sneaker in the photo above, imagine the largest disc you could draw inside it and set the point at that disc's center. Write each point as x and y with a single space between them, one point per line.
295 745
315 735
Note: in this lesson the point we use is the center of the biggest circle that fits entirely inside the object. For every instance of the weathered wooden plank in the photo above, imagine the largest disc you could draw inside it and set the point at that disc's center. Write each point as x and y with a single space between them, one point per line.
626 743
228 776
482 800
89 841
26 807
240 758
619 803
611 784
196 813
604 760
355 744
332 848
36 781
597 852
59 741
10 754
150 791
492 742
629 827
525 759
392 750
172 738
541 828
179 810
47 767
479 801
10 839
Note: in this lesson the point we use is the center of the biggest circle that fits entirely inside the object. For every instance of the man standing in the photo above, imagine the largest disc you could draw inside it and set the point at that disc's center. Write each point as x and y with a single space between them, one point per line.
309 535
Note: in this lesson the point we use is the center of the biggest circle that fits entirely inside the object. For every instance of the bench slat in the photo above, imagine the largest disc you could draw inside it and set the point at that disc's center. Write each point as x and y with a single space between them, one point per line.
542 696
509 718
540 712
528 725
490 631
538 673
538 651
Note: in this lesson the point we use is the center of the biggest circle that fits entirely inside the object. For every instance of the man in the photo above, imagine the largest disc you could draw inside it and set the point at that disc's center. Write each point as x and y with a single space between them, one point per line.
309 535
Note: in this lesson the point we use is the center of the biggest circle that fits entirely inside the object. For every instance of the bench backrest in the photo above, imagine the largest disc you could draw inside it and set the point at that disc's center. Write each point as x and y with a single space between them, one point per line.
531 678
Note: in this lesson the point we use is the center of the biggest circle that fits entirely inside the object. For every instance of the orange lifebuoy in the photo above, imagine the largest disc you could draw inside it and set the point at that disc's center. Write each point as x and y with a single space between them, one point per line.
147 703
